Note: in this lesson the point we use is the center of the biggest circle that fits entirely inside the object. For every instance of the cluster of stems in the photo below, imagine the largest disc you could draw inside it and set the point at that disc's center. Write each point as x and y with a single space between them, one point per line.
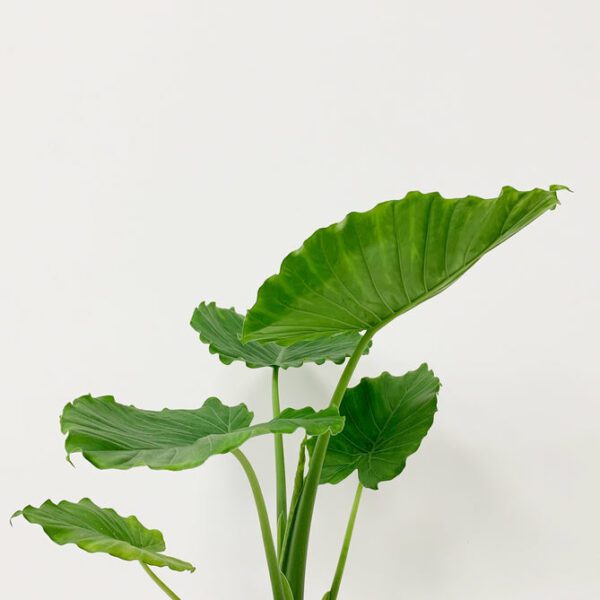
287 553
287 565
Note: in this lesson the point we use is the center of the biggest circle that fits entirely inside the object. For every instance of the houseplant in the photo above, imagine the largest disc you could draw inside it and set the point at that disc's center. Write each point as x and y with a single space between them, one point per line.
328 301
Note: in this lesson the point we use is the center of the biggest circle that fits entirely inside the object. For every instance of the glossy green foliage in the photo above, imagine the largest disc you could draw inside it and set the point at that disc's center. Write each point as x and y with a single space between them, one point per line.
114 436
359 274
386 419
221 329
351 277
96 529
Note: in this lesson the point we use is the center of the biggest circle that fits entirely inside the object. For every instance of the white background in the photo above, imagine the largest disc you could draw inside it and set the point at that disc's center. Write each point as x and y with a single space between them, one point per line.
156 154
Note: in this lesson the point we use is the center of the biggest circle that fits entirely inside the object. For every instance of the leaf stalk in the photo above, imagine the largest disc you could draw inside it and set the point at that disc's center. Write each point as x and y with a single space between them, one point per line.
296 492
281 490
337 578
265 527
159 582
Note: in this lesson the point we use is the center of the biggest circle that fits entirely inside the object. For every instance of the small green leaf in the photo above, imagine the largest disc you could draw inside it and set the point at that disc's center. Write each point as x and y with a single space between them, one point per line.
221 329
359 274
386 420
115 436
96 529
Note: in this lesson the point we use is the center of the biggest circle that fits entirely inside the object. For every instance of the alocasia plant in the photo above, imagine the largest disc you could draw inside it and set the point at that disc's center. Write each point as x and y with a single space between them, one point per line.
329 299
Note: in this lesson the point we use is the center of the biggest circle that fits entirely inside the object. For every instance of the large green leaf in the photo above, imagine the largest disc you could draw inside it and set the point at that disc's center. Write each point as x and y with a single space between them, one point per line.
96 529
359 274
115 436
221 329
386 419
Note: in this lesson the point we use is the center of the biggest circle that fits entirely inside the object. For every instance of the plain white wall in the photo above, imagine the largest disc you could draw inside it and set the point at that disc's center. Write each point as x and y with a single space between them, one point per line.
155 154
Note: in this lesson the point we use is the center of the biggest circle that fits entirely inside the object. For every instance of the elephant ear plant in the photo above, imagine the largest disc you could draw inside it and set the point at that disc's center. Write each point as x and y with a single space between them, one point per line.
328 301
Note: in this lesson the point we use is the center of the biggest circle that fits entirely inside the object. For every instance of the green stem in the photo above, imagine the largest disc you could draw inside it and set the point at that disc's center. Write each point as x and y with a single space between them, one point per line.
279 466
159 582
295 564
265 527
296 492
337 578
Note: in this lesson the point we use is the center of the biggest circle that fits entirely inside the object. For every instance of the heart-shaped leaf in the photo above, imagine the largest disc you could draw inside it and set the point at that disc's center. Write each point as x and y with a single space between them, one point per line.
221 329
96 529
115 436
373 266
386 420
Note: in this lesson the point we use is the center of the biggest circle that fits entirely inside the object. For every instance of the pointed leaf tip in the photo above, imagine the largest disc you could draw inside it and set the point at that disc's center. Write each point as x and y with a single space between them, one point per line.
16 514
